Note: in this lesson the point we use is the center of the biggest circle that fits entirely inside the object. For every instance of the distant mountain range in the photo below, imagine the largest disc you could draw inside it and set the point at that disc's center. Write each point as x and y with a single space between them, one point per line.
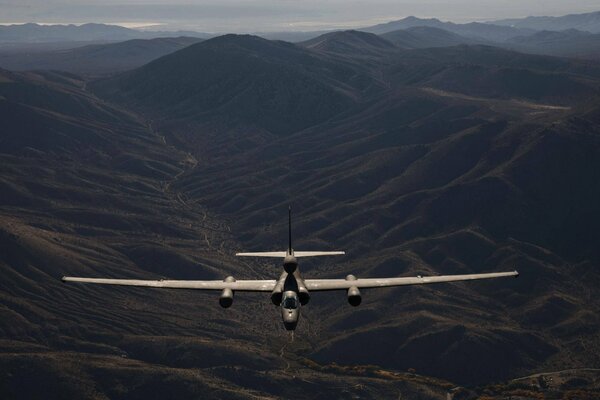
568 43
474 30
33 46
414 32
98 58
589 22
35 33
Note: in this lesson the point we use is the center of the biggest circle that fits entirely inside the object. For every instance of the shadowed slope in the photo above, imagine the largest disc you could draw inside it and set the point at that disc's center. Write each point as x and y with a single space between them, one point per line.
354 43
275 86
424 36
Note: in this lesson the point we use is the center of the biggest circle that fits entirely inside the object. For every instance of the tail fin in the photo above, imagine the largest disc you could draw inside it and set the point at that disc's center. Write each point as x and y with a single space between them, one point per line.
290 250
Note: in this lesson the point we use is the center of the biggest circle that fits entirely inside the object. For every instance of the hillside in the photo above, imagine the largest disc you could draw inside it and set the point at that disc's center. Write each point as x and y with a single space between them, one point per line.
424 36
354 43
569 43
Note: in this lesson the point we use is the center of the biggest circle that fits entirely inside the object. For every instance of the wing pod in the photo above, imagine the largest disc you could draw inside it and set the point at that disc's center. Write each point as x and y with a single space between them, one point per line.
226 299
354 297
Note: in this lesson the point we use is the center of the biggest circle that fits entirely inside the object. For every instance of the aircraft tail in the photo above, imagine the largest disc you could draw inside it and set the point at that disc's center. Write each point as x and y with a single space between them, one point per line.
290 250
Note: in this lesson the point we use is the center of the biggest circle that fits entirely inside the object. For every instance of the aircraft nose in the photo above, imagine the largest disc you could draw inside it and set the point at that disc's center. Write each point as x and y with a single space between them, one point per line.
290 326
290 318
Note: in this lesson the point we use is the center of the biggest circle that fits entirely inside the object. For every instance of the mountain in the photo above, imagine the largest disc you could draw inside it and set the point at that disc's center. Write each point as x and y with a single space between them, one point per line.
472 30
405 23
420 162
425 36
32 33
589 22
278 86
569 43
96 59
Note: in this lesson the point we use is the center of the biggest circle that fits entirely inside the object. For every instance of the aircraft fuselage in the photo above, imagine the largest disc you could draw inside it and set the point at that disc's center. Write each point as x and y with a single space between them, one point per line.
290 293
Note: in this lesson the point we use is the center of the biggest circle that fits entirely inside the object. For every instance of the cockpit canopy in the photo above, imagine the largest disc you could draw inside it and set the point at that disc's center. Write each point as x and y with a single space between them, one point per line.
290 301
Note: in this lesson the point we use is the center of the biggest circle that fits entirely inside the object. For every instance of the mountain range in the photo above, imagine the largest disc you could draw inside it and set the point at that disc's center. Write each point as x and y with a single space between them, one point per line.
589 22
416 159
96 58
35 33
91 49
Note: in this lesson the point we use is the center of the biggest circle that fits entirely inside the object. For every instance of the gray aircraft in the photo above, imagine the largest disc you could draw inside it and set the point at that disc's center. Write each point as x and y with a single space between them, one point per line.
291 291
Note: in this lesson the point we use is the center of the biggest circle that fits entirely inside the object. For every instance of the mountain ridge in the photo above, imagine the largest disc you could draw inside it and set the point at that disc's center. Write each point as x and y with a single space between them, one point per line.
96 58
585 22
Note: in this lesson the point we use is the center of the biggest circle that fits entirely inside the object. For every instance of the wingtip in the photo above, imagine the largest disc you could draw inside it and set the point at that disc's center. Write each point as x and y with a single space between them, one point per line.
516 273
64 279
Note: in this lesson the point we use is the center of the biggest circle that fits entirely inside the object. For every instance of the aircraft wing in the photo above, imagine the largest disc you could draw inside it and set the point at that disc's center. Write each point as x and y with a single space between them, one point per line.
339 284
240 286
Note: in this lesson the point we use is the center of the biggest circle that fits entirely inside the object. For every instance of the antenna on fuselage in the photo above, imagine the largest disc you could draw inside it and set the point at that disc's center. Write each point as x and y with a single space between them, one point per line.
290 251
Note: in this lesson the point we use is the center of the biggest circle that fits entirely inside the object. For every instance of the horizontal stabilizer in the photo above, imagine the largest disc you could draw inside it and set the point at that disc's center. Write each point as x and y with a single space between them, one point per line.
279 254
318 253
282 254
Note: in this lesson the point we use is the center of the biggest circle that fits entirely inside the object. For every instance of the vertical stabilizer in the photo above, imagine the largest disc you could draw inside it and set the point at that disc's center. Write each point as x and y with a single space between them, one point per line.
290 250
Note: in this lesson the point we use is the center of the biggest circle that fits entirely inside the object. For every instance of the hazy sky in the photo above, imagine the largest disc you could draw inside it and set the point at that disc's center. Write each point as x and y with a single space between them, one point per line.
274 15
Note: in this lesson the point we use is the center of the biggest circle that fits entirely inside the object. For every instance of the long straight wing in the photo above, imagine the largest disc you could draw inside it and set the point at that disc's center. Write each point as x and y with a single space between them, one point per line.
338 284
242 286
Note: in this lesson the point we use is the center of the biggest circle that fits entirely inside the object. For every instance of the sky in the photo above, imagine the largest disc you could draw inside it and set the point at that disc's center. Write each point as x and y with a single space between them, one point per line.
275 15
